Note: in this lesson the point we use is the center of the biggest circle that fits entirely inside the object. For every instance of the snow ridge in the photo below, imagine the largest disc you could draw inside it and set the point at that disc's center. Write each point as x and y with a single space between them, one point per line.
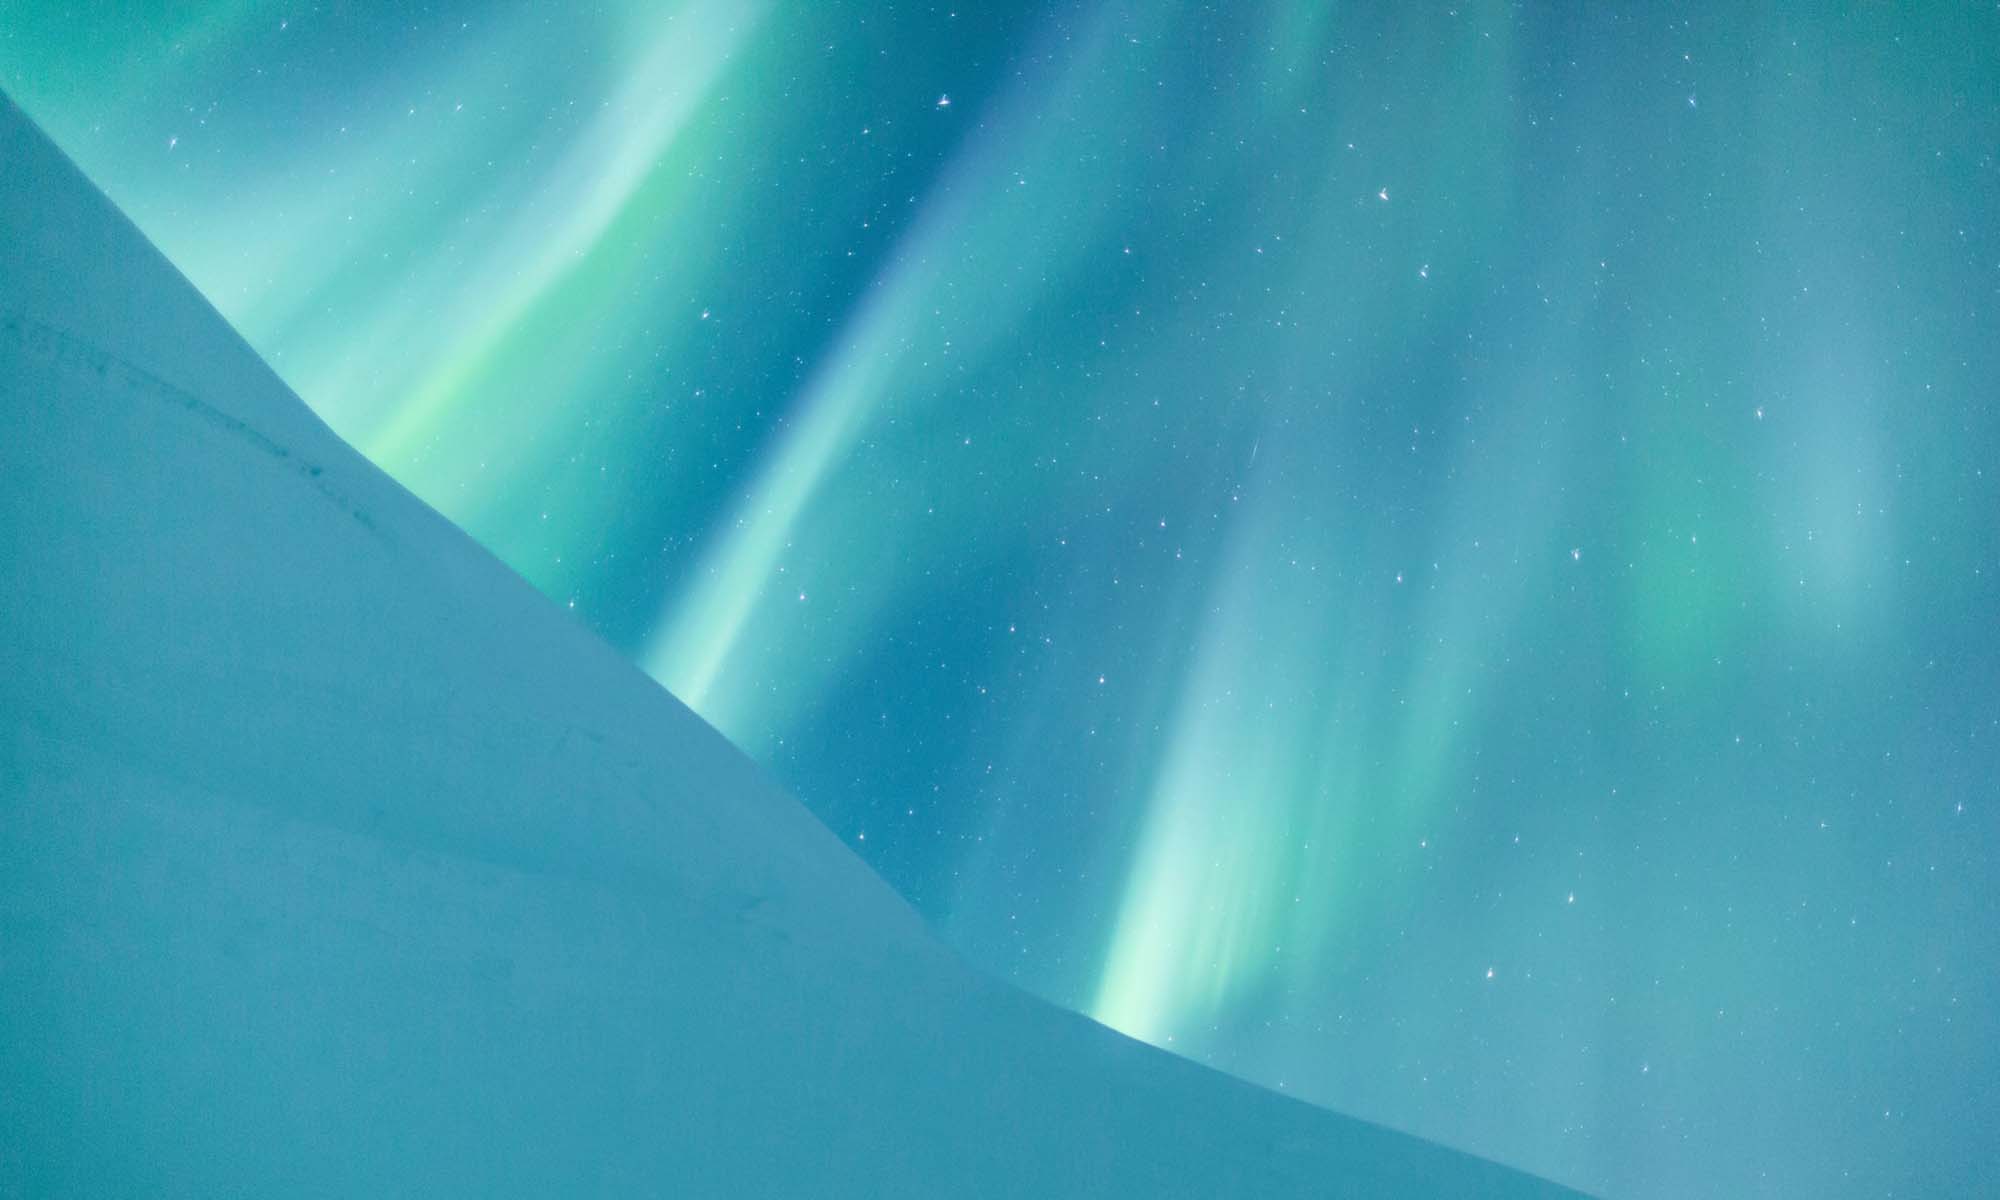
334 860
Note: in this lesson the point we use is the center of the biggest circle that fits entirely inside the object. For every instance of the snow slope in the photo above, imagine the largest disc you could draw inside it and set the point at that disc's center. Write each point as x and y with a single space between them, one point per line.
334 860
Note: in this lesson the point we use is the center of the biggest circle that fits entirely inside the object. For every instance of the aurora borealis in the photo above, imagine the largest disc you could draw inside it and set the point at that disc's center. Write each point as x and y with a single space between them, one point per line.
1445 559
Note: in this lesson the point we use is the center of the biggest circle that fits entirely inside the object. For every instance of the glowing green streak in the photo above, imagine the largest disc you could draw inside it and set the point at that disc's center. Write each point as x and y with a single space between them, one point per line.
698 642
980 224
1214 867
594 184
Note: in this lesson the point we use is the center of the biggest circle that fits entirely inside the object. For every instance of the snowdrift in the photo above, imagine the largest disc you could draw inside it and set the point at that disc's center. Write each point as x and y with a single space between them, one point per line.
334 860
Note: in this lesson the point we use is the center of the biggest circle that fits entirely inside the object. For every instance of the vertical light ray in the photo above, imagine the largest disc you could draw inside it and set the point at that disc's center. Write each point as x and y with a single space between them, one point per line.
978 215
1201 886
695 644
1253 826
580 198
1231 886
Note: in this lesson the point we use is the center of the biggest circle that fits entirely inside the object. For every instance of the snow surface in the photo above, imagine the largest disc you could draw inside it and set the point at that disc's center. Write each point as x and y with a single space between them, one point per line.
334 860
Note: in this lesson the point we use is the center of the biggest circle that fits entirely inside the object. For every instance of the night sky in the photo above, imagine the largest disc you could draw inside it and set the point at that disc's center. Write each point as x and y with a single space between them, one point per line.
1442 558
